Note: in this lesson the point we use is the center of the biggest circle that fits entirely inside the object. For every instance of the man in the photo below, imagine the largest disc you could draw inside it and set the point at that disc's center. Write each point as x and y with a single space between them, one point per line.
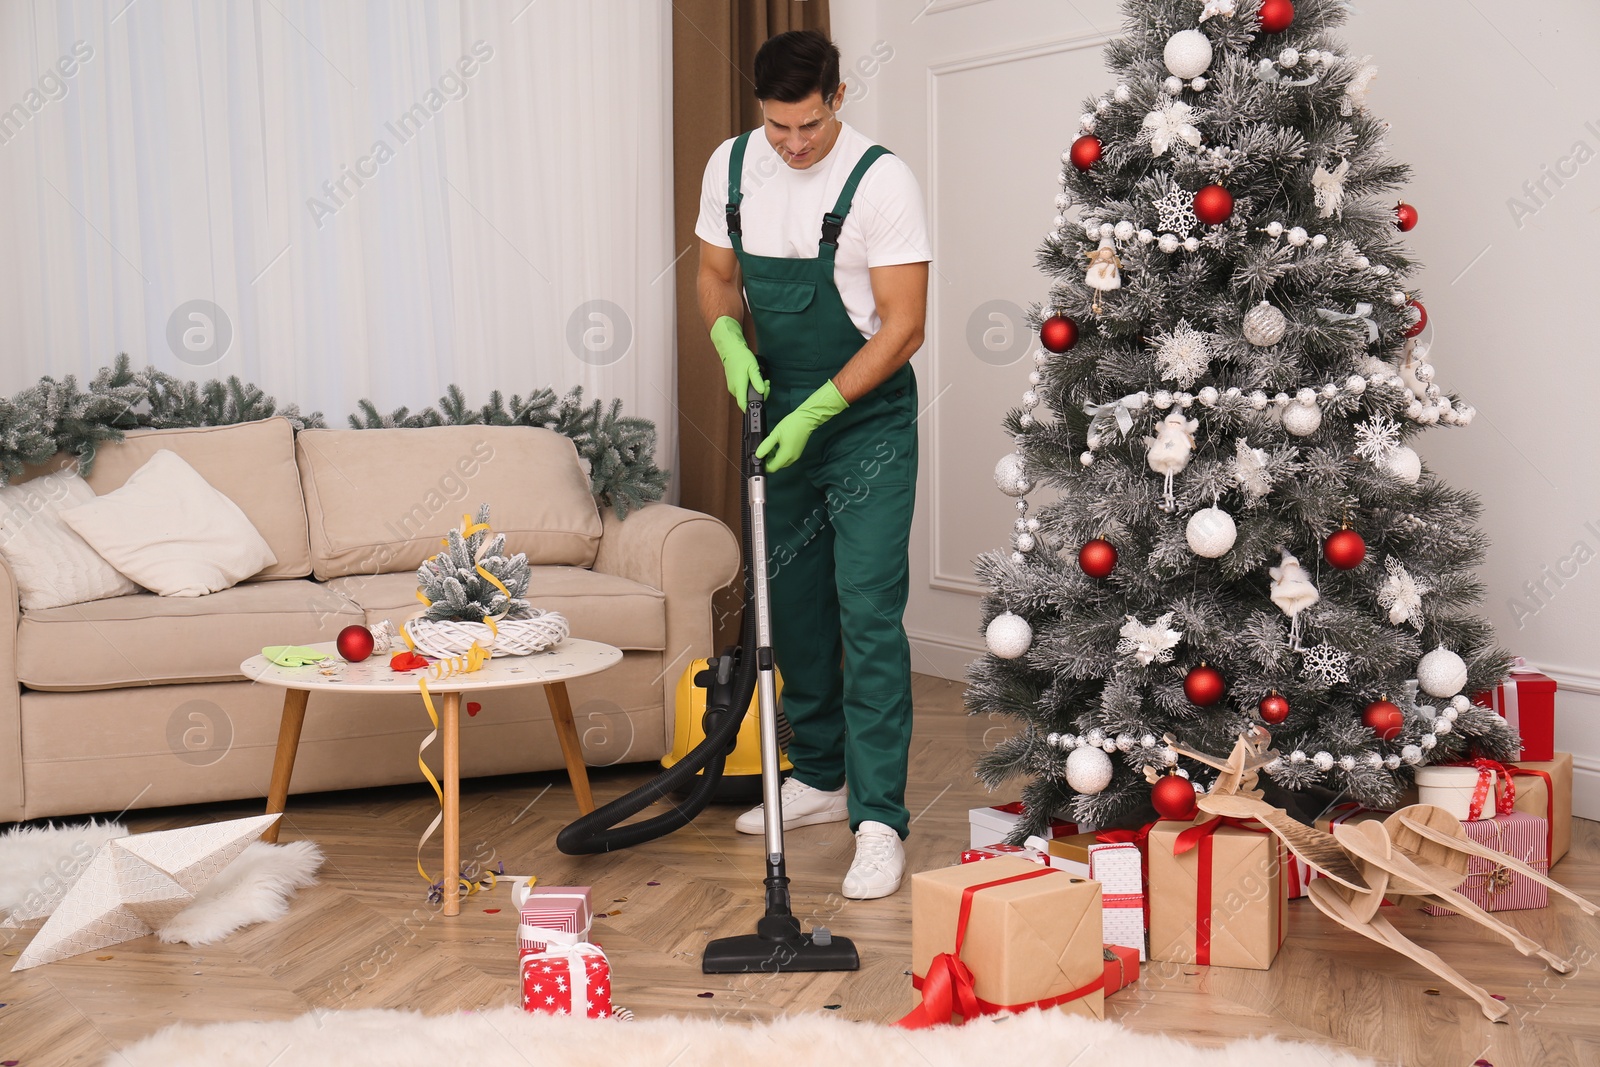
826 231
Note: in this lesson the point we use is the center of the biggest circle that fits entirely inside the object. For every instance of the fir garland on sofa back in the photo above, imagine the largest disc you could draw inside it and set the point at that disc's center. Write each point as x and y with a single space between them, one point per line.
60 416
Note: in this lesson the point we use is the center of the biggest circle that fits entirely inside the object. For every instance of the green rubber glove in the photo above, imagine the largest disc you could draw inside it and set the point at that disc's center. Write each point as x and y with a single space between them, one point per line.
788 439
738 362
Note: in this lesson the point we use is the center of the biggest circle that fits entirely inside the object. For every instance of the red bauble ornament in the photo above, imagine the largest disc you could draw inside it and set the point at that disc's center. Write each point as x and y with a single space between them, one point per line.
1213 204
1204 686
1273 708
1085 151
1058 333
1173 797
1422 318
1344 549
1276 15
1405 217
1097 558
1384 719
354 643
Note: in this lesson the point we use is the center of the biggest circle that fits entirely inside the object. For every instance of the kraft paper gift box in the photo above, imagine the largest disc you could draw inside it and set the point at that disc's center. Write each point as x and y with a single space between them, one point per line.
1218 896
989 852
1545 789
1494 887
1028 936
999 822
553 915
1119 868
1527 701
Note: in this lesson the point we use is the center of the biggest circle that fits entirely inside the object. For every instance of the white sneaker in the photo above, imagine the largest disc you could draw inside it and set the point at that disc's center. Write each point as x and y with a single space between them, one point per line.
879 865
802 806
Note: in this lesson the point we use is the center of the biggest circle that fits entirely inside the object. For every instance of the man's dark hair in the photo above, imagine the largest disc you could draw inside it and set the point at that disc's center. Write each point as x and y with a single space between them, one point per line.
792 66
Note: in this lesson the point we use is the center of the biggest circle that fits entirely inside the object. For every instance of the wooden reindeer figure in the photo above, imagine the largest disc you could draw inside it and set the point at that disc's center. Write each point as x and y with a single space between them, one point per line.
1417 856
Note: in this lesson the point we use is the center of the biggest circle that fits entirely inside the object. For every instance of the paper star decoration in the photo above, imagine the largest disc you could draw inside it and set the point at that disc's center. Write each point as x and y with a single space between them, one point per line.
1329 189
1176 212
1377 438
1173 121
1325 664
1149 644
134 885
1184 354
1250 470
1402 594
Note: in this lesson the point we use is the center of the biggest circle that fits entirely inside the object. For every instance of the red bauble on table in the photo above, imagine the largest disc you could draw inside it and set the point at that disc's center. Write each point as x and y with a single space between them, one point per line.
1344 549
1204 686
354 643
1422 318
1276 15
1405 217
1384 719
1213 204
1085 151
1098 558
1173 798
1273 708
1058 333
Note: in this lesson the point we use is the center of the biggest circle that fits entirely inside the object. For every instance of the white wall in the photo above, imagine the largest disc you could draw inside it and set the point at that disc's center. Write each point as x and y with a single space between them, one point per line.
981 96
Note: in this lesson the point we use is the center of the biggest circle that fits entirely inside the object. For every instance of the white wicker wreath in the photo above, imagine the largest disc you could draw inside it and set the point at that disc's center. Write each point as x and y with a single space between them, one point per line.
443 638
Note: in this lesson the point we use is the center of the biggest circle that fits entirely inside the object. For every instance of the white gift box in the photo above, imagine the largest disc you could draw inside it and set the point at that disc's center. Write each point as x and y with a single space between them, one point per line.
1451 788
989 825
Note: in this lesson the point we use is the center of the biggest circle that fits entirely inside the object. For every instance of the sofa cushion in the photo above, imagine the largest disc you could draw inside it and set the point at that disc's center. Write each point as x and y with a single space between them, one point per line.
145 639
251 463
52 565
599 607
379 501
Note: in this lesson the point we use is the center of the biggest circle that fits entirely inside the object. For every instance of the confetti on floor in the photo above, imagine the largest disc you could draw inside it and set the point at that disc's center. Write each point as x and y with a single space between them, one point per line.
491 911
614 911
618 900
652 883
833 1007
1496 996
705 996
1430 992
103 958
9 1063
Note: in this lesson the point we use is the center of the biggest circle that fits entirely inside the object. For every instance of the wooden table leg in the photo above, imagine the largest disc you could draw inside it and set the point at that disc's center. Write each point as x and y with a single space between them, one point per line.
294 716
571 749
452 804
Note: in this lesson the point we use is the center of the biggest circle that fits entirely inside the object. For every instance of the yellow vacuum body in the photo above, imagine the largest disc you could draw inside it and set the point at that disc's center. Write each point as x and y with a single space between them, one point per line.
742 774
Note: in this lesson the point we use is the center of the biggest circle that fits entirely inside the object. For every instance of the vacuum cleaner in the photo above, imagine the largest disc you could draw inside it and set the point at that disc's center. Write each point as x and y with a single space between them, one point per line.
779 944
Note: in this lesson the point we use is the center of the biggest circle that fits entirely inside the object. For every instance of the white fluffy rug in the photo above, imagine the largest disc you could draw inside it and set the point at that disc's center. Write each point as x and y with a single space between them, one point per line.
38 864
509 1035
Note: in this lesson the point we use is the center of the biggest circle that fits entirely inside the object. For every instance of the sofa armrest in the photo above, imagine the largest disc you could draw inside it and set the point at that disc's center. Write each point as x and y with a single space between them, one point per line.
10 700
685 554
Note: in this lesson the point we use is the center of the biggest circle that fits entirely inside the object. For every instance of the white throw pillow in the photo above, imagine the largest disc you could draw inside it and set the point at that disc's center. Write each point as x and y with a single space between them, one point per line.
52 565
169 530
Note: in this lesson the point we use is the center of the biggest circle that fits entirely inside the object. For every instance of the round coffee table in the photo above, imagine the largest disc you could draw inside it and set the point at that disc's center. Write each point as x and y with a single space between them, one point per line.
572 658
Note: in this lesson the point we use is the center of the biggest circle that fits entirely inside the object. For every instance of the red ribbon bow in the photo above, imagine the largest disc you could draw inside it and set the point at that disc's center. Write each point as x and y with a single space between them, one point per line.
1497 776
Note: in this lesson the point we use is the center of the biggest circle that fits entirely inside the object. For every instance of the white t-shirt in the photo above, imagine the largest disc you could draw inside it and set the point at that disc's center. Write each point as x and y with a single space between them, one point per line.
781 213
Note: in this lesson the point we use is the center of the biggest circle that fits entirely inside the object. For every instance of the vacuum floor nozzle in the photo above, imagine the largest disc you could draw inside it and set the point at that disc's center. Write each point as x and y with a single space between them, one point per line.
751 953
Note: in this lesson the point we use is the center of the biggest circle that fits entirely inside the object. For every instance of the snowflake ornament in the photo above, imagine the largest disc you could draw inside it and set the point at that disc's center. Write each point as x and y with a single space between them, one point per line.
1176 212
1328 186
1402 594
1355 93
1184 354
1250 471
1168 124
1149 644
1325 664
1377 438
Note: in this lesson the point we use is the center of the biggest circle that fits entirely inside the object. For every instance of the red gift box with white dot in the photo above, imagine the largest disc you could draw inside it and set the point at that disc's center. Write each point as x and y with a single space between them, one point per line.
568 980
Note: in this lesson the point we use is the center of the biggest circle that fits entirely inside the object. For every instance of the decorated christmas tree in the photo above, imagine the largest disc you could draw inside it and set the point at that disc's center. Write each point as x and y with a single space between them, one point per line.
1219 523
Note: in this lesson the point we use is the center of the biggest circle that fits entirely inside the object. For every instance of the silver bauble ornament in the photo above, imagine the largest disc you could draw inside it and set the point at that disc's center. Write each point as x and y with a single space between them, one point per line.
1405 464
1442 673
1264 325
1302 420
1008 636
1188 54
1009 476
1088 770
1211 532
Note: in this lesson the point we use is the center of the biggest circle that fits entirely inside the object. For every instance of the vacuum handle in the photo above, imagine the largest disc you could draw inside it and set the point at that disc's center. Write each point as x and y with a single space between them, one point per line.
755 427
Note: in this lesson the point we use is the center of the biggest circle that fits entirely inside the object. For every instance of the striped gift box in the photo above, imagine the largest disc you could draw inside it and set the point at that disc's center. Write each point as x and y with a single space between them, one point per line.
553 915
989 852
1496 888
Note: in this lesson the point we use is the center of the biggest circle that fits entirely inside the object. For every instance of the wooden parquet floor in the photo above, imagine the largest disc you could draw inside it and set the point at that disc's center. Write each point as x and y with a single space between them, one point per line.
366 937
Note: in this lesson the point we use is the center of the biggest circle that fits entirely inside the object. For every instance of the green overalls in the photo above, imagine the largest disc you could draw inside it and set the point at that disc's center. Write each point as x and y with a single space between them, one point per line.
838 528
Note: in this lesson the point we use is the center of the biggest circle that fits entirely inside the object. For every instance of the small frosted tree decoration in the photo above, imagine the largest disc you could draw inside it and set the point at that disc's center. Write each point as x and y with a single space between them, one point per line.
454 586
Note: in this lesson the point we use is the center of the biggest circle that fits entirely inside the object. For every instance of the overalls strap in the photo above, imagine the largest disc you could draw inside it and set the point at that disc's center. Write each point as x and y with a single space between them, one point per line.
735 194
833 221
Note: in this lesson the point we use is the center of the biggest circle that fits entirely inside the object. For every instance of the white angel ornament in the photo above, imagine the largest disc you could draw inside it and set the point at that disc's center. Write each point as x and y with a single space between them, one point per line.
1105 270
1169 450
1293 592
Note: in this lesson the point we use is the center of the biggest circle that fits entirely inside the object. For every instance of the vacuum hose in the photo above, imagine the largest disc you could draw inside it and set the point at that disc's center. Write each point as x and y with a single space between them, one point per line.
730 681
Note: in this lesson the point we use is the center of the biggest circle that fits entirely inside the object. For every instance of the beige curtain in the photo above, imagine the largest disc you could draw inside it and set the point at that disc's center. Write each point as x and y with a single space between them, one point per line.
713 97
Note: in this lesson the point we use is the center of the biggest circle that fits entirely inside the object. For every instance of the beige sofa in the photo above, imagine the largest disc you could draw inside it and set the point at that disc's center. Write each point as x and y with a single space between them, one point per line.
137 701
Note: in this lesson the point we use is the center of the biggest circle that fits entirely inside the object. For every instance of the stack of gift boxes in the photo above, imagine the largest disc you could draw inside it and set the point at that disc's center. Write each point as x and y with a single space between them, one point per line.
1002 931
561 971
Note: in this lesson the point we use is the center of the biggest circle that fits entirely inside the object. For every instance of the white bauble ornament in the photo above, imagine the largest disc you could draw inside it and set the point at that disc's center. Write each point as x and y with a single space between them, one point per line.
1264 325
1088 770
1008 636
1442 673
1188 54
1302 420
1009 477
1211 532
1405 464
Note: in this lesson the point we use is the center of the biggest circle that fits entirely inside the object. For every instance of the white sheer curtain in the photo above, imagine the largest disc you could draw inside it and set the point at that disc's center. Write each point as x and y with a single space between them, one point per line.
378 198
